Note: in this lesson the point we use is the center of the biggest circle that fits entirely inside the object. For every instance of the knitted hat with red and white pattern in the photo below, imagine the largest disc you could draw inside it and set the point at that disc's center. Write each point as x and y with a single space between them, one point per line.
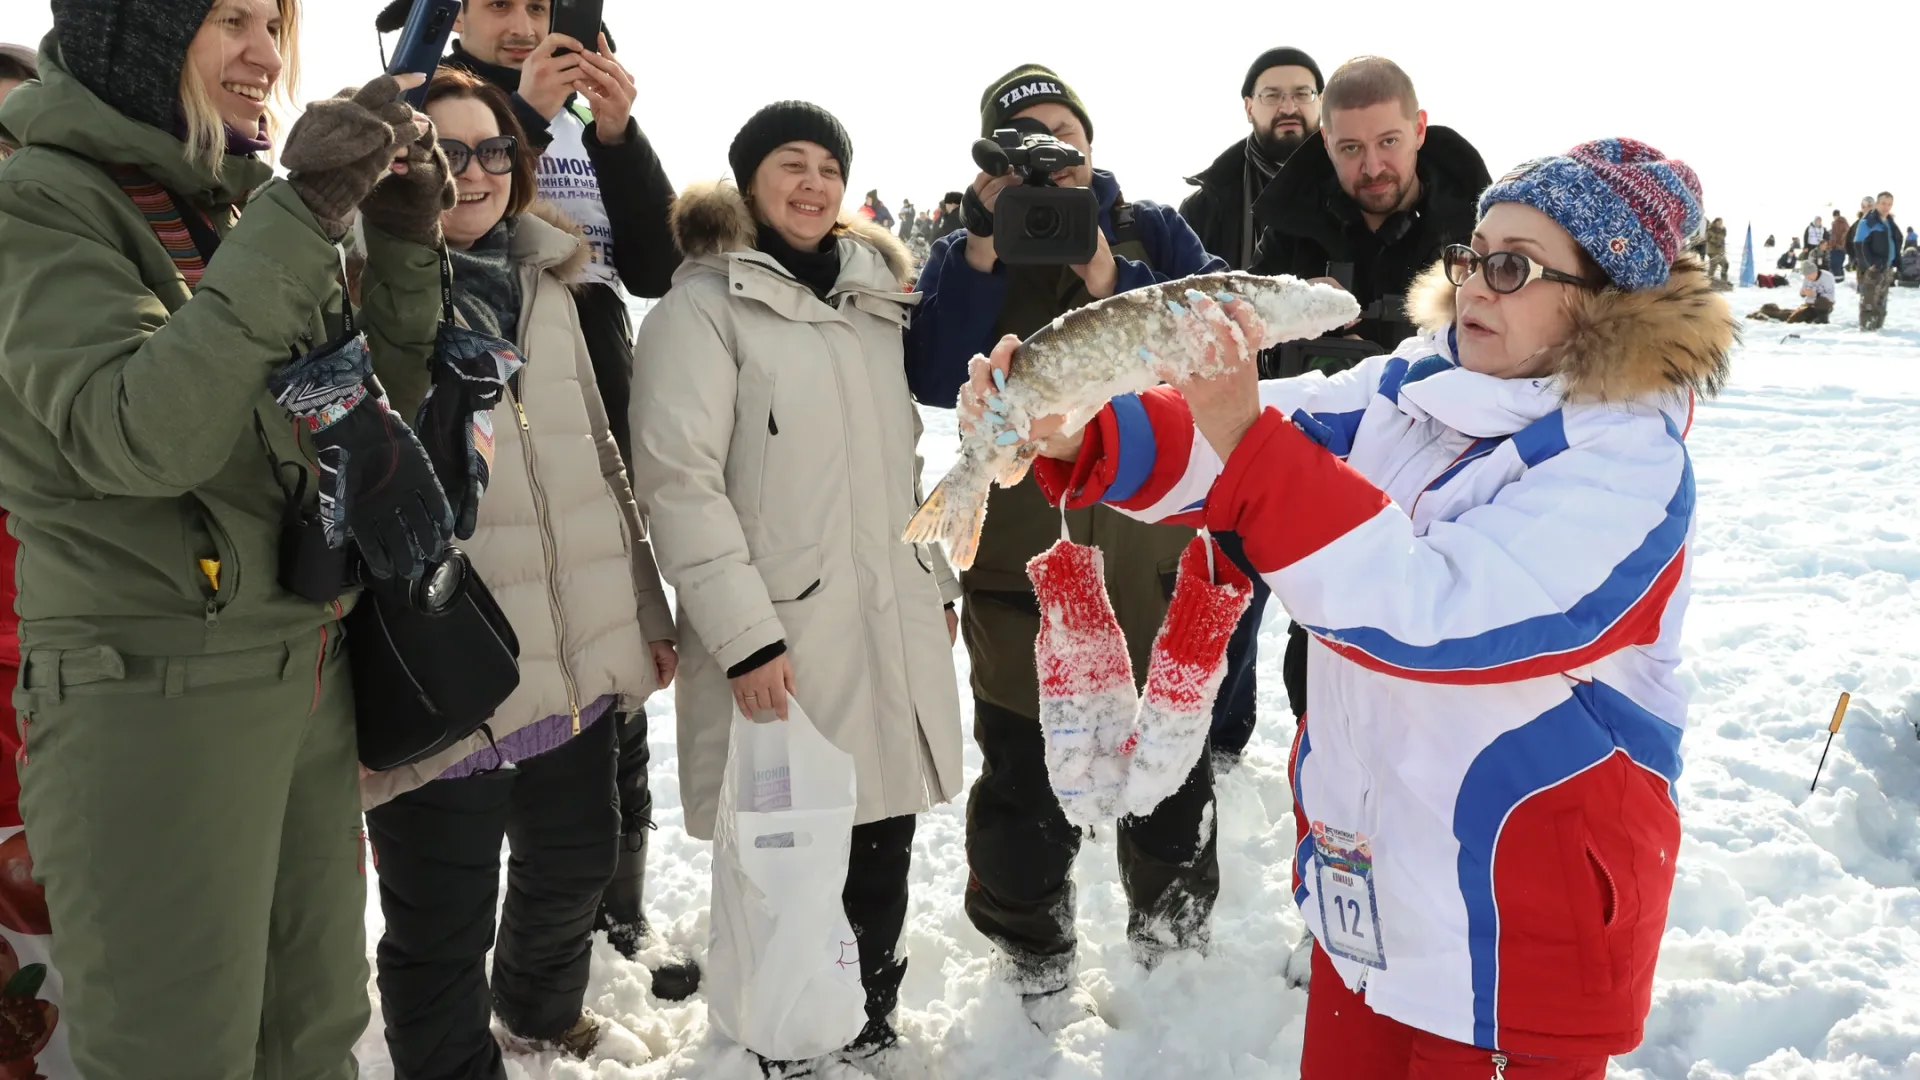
1630 206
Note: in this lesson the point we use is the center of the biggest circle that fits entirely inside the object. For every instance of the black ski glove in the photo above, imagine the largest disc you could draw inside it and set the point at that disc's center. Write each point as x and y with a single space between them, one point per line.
470 373
377 487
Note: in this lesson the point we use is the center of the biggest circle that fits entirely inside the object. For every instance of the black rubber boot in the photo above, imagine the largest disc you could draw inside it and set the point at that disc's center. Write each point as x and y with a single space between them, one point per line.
622 914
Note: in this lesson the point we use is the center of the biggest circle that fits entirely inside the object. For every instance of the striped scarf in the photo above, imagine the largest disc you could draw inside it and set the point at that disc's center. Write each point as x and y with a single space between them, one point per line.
163 216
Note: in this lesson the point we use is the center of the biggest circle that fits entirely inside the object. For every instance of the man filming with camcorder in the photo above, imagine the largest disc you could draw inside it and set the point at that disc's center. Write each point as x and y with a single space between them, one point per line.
1046 233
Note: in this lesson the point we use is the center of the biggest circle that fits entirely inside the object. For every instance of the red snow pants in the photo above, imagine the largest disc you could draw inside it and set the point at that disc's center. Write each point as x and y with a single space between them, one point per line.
1346 1040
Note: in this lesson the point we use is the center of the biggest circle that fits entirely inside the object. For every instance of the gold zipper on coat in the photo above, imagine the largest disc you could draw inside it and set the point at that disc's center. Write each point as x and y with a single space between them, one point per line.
547 545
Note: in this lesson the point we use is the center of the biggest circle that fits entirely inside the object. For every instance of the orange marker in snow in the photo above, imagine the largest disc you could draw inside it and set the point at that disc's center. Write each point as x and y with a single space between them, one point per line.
1839 714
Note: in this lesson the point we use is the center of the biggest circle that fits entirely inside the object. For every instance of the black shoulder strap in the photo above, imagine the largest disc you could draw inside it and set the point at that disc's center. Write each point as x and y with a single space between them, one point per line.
1125 230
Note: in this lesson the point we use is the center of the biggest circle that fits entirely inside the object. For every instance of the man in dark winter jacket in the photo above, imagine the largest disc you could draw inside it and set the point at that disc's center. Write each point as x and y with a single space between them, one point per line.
907 219
1281 96
949 219
598 167
1020 846
1368 202
1877 243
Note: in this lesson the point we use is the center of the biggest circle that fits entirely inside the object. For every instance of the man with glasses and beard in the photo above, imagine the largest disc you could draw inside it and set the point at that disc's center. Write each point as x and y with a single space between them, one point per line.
1281 96
597 167
1368 203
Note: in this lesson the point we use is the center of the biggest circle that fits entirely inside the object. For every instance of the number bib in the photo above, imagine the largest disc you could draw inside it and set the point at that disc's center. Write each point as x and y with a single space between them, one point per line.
1343 863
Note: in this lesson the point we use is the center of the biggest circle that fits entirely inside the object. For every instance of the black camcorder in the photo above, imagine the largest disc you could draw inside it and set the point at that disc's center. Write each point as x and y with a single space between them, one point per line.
1036 223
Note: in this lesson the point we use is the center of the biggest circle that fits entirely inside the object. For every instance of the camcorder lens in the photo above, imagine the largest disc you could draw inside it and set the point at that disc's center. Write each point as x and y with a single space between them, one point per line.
1042 223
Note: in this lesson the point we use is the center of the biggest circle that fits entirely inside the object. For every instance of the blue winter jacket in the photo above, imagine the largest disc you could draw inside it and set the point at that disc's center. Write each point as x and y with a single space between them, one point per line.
1874 228
955 320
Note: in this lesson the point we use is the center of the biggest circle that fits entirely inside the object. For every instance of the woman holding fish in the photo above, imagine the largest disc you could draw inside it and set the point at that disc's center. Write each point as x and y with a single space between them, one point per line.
775 452
1484 787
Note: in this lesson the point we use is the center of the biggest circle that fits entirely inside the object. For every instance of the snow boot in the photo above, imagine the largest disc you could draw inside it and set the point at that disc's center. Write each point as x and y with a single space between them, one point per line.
875 1039
1087 700
1183 678
1054 1012
621 915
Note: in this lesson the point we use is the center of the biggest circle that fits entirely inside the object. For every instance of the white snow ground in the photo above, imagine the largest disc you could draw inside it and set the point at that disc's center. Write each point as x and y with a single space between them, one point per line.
1793 949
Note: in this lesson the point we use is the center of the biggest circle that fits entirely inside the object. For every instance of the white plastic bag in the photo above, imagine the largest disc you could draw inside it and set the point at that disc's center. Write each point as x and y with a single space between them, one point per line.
783 967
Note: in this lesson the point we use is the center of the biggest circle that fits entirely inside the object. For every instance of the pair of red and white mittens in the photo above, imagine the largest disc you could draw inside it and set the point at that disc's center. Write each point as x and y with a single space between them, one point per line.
1110 753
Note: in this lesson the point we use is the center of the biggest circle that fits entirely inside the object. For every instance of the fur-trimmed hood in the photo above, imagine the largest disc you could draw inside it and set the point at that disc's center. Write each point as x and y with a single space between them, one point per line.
1623 345
712 218
565 255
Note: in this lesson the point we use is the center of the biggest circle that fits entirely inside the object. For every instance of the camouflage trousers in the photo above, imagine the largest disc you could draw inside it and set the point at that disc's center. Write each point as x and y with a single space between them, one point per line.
1874 283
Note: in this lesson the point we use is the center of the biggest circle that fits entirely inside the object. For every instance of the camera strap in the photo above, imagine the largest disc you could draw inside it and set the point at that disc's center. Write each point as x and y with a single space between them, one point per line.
1125 230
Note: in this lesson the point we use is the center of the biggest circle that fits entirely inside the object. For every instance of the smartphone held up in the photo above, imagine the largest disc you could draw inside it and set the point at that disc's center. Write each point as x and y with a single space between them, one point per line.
423 42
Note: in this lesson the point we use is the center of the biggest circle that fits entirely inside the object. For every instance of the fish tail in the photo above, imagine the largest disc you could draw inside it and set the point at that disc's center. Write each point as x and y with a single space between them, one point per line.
952 515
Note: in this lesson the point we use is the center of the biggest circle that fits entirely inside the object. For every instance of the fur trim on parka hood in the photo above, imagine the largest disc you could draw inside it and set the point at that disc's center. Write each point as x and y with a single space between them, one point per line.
570 268
712 218
1622 345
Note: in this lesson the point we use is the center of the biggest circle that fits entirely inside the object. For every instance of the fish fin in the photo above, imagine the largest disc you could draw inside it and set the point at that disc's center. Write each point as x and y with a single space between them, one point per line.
925 526
1016 470
953 522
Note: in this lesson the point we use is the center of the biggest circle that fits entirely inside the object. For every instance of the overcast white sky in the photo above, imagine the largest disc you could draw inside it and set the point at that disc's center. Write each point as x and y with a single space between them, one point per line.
1783 109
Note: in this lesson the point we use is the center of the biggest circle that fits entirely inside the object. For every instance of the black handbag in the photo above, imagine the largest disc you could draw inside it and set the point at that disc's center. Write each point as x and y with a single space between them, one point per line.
432 659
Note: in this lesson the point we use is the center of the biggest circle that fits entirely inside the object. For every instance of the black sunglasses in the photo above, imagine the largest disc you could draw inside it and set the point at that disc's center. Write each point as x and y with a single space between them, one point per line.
1506 271
495 154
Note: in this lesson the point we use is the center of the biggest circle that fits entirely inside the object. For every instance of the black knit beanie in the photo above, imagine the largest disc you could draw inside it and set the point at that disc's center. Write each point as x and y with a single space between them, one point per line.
783 122
1286 56
130 52
1023 87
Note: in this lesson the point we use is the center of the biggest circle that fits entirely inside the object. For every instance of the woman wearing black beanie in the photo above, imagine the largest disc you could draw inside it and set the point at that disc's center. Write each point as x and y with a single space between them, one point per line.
775 450
188 773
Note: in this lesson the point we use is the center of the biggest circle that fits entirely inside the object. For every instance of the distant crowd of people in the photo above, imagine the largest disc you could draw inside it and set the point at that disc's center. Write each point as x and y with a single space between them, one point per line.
1872 246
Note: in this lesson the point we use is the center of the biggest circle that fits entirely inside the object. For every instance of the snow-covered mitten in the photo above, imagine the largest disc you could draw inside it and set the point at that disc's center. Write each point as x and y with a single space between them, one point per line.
1183 677
1087 700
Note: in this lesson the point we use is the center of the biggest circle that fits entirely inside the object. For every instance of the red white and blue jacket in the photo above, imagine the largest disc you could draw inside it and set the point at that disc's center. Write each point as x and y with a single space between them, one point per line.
1494 578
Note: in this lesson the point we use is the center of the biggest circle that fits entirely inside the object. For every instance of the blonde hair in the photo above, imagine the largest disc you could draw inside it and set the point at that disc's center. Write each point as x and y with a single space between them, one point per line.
206 135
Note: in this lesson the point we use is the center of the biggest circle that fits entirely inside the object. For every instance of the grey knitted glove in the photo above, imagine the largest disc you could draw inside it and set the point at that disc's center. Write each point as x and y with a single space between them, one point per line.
408 206
341 147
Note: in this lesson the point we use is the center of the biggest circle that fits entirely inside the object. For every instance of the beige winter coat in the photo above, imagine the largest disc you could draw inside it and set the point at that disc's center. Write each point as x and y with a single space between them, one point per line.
774 446
559 541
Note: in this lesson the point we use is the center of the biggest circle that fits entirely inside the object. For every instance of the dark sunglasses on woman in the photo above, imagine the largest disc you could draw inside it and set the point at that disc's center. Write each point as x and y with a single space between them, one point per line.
1506 271
495 154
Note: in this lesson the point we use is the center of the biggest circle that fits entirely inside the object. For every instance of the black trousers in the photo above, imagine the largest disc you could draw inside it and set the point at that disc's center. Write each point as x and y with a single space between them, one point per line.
1020 849
437 849
875 897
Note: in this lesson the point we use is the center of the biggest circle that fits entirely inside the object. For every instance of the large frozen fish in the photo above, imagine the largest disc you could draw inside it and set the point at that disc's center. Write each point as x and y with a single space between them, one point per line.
1080 361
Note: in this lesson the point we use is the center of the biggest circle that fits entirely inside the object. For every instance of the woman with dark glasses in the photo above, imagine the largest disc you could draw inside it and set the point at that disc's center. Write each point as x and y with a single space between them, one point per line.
1487 535
559 542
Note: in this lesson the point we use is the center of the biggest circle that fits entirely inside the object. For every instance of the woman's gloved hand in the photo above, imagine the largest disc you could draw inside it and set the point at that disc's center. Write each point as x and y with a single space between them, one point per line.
408 204
341 147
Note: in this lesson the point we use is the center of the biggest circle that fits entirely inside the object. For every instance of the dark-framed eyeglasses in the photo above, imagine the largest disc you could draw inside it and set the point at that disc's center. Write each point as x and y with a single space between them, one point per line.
495 154
1506 271
1271 97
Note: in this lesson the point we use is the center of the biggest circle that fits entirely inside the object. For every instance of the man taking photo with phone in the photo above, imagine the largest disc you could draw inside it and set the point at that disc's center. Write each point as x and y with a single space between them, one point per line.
575 100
